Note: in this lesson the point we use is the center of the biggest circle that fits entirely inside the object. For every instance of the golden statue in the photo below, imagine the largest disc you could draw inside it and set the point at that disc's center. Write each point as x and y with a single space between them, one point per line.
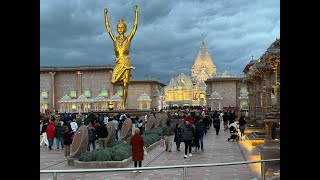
121 72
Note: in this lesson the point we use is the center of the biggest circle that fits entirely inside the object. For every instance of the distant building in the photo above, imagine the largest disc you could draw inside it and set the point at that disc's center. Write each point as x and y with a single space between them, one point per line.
206 87
86 88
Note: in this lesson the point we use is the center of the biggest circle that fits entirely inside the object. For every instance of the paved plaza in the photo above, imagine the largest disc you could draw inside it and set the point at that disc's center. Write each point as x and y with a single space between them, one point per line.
216 150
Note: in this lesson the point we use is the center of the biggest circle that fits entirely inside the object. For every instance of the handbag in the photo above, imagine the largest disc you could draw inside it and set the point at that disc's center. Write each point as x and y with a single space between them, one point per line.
145 151
162 143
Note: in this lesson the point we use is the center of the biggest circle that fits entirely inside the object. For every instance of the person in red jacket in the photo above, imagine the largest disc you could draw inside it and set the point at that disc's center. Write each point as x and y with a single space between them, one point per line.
51 131
136 142
188 118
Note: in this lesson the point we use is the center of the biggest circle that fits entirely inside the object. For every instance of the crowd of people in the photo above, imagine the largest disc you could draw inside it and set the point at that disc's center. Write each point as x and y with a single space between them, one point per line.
190 131
61 128
195 126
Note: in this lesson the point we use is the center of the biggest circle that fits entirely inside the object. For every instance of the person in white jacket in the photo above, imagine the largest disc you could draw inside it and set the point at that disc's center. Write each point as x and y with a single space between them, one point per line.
233 124
74 126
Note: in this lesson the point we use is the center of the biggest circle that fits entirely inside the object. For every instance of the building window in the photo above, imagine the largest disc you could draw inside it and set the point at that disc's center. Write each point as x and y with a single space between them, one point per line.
104 92
74 106
243 90
87 93
73 94
44 94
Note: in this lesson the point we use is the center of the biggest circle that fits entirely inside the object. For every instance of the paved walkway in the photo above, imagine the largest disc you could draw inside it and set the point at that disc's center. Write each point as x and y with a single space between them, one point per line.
216 150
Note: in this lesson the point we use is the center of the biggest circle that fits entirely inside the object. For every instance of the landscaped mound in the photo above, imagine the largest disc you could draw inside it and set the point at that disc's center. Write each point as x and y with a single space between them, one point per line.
121 150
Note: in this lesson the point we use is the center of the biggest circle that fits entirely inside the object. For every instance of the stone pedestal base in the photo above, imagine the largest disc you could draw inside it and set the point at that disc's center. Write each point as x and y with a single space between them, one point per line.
271 150
71 161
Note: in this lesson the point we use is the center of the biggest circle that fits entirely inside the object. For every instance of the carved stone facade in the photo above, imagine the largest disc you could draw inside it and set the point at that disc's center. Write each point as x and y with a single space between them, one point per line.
263 81
181 91
90 81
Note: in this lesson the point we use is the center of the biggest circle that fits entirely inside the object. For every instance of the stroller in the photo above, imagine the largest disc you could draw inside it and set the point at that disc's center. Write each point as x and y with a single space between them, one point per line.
233 134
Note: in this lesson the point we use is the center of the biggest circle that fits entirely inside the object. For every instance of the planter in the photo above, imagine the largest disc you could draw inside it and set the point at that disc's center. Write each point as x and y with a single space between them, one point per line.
106 164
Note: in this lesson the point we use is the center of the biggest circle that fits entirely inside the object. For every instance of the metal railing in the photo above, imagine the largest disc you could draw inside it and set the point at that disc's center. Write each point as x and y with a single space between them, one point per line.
55 172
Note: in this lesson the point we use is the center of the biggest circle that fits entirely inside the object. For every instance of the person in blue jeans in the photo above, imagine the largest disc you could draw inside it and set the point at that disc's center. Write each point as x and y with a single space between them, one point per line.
59 139
201 127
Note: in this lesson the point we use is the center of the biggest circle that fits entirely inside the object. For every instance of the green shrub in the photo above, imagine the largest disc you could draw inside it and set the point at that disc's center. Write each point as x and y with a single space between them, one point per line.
120 150
124 146
114 143
94 154
104 156
120 155
86 157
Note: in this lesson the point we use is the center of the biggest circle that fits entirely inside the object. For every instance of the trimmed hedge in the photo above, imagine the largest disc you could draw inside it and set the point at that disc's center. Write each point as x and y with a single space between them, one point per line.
121 150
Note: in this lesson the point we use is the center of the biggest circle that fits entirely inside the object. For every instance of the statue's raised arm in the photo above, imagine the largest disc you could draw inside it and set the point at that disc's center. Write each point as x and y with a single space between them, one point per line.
135 24
107 24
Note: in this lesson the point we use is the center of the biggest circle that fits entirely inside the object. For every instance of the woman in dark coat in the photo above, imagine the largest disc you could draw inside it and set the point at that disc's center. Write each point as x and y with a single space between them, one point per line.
136 142
177 136
67 140
242 127
216 124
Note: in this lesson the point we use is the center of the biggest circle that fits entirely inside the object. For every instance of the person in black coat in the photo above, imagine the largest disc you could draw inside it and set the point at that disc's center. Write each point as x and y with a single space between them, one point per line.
216 124
200 130
187 133
177 136
102 134
242 127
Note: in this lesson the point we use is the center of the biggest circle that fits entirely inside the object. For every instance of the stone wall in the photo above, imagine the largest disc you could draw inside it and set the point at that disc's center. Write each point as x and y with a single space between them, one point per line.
228 92
135 90
64 83
94 79
45 84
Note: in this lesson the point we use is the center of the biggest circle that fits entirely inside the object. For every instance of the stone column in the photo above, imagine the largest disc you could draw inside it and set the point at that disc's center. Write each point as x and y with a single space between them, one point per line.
263 97
254 100
140 105
111 89
70 107
251 99
238 85
79 73
258 98
268 105
268 129
278 86
52 90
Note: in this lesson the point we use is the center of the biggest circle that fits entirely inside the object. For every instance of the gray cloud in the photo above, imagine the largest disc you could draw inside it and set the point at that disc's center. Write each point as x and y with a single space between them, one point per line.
168 38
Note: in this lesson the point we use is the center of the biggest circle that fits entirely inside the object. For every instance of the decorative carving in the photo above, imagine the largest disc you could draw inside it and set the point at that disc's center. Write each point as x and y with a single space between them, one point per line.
157 120
80 142
111 134
150 123
126 130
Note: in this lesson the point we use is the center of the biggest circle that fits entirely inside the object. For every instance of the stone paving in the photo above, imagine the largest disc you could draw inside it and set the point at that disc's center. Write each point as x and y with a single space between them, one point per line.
216 150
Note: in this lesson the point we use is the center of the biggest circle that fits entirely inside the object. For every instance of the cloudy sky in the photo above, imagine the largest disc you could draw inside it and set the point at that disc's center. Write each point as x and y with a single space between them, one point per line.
168 37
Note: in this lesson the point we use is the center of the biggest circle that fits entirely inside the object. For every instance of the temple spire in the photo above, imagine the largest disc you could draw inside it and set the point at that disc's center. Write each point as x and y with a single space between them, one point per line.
202 39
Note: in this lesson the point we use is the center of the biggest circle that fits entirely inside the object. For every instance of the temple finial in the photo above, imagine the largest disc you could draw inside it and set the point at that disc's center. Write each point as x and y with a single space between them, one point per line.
202 38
